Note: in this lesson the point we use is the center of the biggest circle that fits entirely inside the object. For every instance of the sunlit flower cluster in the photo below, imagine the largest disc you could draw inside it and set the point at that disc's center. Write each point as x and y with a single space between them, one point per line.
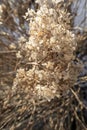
47 67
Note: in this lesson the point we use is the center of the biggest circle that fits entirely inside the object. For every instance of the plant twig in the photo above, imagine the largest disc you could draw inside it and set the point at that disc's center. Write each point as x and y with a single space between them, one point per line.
77 98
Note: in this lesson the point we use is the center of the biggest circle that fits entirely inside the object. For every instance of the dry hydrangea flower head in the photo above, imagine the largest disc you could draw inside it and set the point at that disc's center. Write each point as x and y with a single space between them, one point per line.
47 68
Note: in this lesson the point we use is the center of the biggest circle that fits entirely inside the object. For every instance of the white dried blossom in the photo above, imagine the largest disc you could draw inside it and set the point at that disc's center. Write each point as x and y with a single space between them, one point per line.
57 1
49 52
18 54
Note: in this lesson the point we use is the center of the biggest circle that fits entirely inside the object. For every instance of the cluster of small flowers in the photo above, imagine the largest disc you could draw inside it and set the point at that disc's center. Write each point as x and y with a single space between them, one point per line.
47 67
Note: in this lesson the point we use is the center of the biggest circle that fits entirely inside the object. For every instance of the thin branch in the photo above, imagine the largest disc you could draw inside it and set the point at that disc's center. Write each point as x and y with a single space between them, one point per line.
5 52
80 121
77 98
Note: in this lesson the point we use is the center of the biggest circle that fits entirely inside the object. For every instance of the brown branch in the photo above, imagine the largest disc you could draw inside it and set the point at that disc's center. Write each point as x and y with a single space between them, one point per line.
80 121
77 98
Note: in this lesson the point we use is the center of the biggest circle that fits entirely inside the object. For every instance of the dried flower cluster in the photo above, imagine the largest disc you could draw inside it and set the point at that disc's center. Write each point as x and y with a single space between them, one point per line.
47 68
